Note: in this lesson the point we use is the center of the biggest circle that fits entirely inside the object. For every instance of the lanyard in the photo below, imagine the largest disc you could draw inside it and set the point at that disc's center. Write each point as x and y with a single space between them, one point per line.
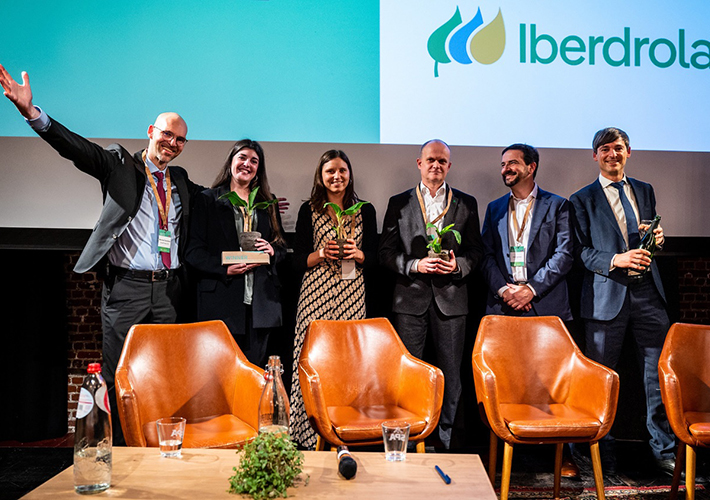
424 214
520 229
168 195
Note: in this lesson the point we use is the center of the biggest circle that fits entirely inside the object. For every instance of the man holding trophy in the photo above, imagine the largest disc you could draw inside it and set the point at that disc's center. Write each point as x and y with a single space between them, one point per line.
622 291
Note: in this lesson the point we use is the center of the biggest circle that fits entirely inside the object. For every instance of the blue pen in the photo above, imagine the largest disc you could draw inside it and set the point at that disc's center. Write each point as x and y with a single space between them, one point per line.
446 478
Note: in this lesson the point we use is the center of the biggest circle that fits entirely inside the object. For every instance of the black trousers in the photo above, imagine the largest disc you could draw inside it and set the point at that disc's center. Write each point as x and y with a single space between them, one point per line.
124 303
448 334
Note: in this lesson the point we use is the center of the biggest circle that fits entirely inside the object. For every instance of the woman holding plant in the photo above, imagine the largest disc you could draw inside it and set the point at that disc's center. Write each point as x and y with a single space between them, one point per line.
245 296
336 238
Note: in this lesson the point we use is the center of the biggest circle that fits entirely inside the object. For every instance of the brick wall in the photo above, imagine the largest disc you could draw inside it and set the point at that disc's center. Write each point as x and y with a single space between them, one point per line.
84 328
693 281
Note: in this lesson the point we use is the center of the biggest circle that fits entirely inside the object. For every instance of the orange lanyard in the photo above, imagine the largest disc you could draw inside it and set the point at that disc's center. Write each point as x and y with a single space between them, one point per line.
164 210
424 214
520 229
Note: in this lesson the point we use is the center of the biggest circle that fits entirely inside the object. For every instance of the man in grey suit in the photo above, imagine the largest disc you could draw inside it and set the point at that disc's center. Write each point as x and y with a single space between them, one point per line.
614 303
528 243
430 296
138 243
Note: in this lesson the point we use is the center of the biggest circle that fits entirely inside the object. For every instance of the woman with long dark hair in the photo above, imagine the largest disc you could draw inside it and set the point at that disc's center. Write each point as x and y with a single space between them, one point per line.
245 296
332 287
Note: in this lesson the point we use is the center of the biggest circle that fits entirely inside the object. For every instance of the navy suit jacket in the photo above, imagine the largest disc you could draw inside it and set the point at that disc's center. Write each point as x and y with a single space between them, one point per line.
598 239
549 256
404 240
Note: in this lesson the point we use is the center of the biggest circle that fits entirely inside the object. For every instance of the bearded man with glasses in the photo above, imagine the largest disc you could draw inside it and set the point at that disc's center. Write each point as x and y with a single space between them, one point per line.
137 245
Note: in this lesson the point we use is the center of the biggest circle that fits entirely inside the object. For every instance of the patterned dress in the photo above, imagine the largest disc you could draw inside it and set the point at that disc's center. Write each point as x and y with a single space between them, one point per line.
324 295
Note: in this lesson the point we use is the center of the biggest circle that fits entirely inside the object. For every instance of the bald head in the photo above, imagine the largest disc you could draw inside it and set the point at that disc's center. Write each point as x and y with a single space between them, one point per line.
167 138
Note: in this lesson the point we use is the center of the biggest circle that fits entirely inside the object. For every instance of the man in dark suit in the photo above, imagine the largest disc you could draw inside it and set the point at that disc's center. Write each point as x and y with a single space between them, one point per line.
138 242
527 239
430 296
606 218
527 256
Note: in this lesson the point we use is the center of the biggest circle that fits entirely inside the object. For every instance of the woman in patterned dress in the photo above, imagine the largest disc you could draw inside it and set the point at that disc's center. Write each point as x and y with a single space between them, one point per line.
325 294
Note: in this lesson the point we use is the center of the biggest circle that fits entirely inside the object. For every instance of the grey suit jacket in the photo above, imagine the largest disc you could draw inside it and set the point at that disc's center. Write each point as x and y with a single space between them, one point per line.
404 240
122 177
549 256
598 238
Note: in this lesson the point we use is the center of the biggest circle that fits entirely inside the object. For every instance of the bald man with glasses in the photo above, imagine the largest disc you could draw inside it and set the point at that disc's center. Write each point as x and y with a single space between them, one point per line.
137 244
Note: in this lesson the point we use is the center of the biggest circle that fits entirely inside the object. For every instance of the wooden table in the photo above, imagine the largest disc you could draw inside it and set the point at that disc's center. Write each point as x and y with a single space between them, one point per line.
202 473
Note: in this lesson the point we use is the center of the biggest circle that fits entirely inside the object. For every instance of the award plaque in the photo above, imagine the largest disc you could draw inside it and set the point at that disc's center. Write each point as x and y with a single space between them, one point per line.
245 258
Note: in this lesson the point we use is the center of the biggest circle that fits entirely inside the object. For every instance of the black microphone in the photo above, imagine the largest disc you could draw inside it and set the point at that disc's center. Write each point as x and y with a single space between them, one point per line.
347 466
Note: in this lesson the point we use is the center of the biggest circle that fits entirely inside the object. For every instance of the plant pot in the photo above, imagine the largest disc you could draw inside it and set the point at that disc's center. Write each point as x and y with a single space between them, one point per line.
247 240
443 255
341 247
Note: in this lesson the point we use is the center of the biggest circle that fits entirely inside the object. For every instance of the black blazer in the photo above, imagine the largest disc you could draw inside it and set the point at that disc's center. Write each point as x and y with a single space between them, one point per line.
122 179
404 240
220 296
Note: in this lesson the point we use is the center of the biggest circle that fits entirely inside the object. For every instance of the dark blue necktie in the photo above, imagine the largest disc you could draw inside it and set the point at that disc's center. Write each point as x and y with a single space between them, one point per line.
632 225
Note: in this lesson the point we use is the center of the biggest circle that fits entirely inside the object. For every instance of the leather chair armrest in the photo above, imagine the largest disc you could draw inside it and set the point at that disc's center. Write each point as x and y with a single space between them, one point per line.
247 392
128 410
671 392
314 402
421 390
595 388
487 394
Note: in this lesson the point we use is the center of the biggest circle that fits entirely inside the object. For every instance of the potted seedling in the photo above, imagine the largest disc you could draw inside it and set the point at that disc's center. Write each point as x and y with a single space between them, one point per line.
434 246
247 239
340 223
268 465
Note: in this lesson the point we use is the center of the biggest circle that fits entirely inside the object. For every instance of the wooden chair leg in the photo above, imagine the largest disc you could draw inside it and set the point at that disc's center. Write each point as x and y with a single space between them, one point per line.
492 459
689 472
421 448
597 467
320 443
507 465
679 458
558 470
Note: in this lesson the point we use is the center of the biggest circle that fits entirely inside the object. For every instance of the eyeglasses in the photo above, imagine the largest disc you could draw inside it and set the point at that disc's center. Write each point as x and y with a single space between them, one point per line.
169 136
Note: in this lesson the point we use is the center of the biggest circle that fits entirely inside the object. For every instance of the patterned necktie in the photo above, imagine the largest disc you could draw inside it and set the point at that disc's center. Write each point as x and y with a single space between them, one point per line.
161 193
632 226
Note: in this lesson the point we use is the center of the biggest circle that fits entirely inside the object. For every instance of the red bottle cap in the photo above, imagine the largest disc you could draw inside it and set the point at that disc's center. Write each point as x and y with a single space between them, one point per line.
94 368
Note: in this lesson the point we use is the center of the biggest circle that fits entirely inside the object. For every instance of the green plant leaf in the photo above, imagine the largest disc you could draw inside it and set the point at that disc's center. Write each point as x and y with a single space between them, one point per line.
355 208
338 211
264 204
234 199
252 197
447 229
457 235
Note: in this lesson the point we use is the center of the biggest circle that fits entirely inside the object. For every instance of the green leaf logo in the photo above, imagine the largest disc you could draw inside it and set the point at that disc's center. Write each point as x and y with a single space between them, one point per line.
437 41
486 46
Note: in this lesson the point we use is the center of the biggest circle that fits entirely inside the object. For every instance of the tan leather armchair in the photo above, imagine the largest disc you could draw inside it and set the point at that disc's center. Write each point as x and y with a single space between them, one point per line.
684 373
356 374
195 371
534 386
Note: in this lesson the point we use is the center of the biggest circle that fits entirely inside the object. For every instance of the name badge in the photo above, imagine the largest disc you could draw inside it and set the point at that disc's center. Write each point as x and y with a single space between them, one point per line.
164 241
347 269
517 256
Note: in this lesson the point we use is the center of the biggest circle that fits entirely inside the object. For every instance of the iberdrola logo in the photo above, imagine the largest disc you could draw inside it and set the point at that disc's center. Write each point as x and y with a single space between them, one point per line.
486 45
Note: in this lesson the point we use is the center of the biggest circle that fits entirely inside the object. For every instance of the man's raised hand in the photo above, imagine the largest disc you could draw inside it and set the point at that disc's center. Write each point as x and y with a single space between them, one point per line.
19 94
